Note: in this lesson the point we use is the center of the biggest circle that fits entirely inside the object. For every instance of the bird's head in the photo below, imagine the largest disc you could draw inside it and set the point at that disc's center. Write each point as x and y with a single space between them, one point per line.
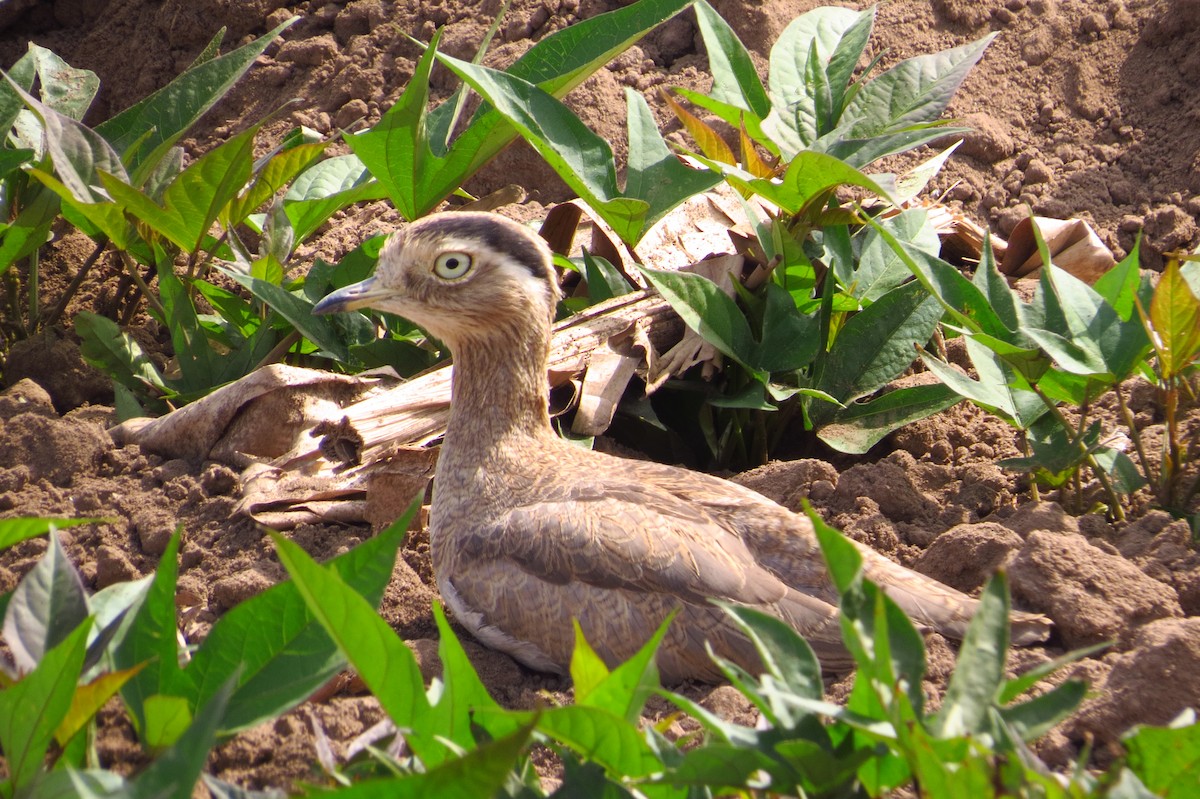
458 275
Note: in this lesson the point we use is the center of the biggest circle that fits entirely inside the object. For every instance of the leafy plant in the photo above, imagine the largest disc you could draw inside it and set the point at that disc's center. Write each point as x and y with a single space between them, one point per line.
814 102
73 652
273 650
420 158
1070 344
57 637
881 741
836 318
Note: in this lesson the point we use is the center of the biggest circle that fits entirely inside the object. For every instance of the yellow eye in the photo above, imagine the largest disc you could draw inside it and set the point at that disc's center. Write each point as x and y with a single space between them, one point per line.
452 265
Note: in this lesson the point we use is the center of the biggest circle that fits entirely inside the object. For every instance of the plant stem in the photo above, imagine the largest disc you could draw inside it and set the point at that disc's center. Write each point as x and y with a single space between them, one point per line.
131 268
13 300
1034 491
280 349
1171 463
33 289
1118 513
1134 433
73 286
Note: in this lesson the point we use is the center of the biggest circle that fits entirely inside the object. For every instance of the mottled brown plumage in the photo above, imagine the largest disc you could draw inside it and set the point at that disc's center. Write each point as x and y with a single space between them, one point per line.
528 532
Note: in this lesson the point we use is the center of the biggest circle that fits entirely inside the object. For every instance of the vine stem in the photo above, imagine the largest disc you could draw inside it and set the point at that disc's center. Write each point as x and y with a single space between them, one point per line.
1114 500
74 285
1134 433
131 268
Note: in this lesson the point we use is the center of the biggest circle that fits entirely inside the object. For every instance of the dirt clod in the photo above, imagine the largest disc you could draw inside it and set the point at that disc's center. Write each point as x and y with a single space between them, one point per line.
1091 595
964 557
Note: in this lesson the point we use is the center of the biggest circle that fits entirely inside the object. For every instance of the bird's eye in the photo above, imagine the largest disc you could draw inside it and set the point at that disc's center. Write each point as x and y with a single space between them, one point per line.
452 265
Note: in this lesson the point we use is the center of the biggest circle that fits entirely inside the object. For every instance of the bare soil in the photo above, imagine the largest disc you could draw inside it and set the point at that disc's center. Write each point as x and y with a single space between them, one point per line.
1084 109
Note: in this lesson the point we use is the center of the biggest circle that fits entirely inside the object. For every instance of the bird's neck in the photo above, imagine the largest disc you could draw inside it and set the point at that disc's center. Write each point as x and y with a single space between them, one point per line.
499 390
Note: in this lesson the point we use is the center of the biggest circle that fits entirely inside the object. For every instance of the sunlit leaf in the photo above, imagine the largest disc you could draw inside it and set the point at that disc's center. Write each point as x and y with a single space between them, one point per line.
46 607
1175 323
33 708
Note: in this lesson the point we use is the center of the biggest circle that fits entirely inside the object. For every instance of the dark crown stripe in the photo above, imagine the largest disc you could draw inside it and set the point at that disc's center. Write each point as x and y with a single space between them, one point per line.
496 236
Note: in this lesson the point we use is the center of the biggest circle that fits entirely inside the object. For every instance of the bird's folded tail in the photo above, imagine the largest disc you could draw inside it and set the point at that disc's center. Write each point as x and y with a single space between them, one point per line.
939 607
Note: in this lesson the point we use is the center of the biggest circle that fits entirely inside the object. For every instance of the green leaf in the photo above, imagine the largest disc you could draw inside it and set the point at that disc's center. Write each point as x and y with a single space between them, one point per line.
588 670
64 88
735 80
279 670
174 773
384 662
170 111
565 58
298 312
32 709
1027 679
194 199
964 301
19 529
653 173
979 672
22 75
752 397
557 64
70 783
859 426
810 177
707 310
200 366
841 556
482 771
151 640
880 268
1034 718
407 150
30 230
579 156
99 220
625 689
397 149
325 188
998 390
914 92
1120 468
999 296
786 656
793 120
79 154
716 766
877 344
48 604
464 702
1175 323
1119 285
276 174
790 339
604 281
601 736
1167 759
167 718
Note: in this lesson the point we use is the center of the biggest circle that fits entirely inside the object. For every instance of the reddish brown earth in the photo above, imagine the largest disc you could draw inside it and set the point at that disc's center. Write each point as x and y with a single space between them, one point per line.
1080 108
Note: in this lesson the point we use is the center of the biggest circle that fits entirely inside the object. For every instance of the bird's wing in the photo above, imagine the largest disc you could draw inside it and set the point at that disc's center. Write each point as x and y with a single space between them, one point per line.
574 547
618 534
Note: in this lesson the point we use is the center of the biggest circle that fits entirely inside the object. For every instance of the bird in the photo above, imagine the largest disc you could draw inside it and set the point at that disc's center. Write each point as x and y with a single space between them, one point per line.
529 533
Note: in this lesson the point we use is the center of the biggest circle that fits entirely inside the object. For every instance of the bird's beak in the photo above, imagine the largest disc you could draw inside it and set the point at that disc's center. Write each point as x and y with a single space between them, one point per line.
356 295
